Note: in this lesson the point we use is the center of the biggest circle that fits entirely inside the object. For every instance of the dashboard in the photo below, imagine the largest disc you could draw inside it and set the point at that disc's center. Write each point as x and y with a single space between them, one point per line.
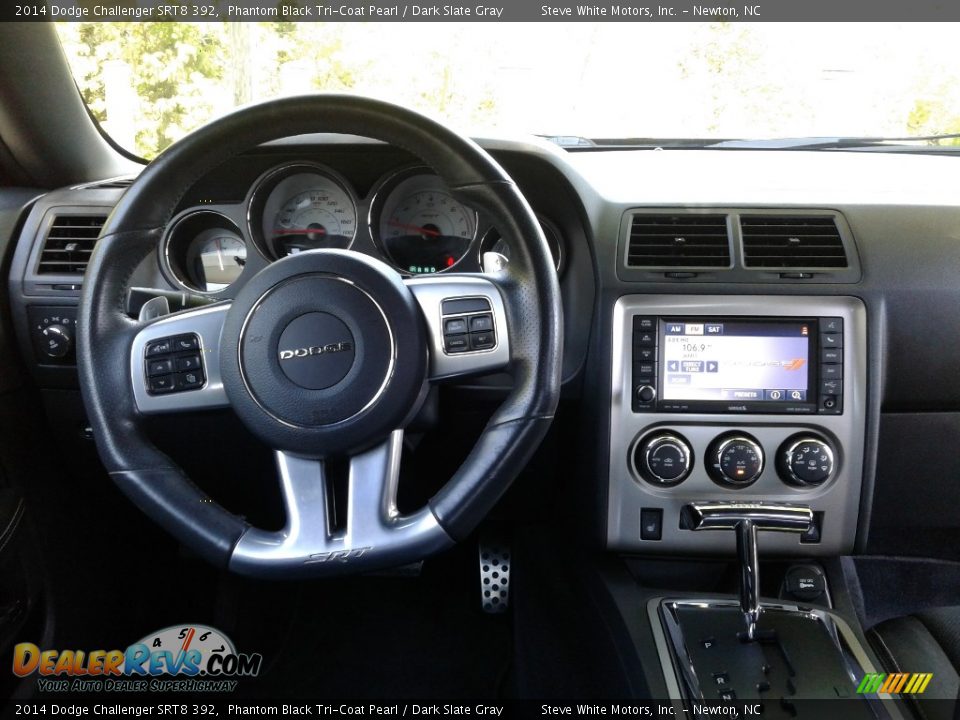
738 325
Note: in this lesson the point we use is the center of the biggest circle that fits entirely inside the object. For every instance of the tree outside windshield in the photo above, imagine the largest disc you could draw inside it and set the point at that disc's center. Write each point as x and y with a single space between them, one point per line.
151 83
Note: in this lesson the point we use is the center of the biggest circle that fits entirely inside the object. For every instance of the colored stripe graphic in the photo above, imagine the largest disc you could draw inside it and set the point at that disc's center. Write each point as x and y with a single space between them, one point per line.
895 683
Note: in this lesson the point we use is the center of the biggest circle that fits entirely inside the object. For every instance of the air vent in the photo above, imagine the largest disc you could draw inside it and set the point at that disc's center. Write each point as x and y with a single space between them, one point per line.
679 241
785 241
69 242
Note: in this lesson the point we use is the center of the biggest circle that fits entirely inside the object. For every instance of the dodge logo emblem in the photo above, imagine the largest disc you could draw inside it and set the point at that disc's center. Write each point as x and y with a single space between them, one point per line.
315 350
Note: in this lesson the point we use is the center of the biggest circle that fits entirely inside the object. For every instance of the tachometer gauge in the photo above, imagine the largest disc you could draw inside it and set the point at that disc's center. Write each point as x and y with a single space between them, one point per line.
303 207
420 226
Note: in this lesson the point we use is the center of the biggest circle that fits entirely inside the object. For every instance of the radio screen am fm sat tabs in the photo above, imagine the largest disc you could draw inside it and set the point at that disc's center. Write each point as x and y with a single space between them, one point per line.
738 364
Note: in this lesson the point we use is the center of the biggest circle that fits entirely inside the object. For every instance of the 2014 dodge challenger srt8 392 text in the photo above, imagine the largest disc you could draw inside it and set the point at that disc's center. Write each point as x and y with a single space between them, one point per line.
634 394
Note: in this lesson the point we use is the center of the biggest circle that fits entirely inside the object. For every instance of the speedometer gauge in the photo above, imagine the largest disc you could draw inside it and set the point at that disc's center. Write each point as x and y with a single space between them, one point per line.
421 227
303 207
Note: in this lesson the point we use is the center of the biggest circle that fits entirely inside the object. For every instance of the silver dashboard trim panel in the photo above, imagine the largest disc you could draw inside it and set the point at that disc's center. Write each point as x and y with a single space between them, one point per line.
838 497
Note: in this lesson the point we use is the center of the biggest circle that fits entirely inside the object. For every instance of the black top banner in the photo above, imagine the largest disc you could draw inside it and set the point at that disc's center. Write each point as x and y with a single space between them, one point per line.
853 11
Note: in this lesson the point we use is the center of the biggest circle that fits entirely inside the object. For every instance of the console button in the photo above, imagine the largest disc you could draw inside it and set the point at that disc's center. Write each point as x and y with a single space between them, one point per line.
644 354
644 339
481 323
831 325
831 340
831 356
641 322
644 368
651 523
831 371
831 387
160 367
454 326
162 384
456 343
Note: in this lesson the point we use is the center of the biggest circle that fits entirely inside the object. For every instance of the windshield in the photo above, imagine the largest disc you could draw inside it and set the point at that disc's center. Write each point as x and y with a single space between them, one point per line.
151 83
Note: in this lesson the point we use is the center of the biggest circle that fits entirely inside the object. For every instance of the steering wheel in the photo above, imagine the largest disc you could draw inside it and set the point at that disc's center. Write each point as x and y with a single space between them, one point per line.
323 353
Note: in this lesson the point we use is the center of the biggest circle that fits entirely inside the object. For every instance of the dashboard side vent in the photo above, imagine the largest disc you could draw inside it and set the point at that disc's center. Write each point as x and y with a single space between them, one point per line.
788 241
683 240
69 243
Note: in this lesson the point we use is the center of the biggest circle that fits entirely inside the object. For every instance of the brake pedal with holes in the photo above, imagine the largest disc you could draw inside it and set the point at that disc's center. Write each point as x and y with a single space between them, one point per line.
494 577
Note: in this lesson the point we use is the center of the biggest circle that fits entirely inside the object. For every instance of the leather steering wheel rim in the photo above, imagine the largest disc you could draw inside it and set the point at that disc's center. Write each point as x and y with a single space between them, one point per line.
107 337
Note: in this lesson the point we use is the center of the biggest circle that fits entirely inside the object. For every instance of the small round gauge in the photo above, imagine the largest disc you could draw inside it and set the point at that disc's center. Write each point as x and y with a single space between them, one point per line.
420 226
303 207
215 259
493 242
204 252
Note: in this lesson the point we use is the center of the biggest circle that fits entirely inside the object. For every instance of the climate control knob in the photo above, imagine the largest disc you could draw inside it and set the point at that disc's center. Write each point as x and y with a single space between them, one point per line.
735 460
663 459
805 460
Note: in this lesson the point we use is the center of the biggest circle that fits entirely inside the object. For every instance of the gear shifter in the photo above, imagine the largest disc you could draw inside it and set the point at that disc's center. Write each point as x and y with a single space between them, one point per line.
746 519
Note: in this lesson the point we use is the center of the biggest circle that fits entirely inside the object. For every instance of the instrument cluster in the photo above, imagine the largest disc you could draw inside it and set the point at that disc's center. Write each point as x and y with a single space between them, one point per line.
409 219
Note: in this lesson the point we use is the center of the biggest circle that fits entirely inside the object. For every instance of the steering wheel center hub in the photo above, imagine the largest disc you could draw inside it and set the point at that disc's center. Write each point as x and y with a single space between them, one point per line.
321 349
316 350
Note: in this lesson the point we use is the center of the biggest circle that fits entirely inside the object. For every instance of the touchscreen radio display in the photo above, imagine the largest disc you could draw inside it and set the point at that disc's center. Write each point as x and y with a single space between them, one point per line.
733 360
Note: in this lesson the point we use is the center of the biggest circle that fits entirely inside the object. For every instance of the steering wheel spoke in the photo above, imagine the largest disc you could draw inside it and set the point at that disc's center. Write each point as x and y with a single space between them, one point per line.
175 362
372 535
467 324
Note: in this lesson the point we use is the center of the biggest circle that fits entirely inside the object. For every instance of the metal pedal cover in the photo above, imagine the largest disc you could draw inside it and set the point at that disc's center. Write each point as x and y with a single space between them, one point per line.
494 576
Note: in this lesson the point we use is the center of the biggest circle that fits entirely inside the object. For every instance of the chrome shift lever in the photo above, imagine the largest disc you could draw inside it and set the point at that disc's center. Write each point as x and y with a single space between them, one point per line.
746 519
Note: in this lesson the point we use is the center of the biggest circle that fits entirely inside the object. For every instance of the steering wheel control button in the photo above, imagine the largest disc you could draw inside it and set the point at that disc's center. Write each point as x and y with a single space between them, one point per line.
460 306
456 343
805 460
316 350
481 340
162 384
189 380
454 326
169 368
735 460
160 347
651 524
471 332
160 367
481 323
188 362
186 342
663 459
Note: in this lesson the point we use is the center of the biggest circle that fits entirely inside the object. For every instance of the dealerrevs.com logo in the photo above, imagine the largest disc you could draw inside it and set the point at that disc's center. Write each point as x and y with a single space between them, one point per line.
188 658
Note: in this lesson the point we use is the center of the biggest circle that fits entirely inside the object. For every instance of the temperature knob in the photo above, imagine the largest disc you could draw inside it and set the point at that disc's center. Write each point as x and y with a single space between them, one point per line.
805 460
663 459
735 460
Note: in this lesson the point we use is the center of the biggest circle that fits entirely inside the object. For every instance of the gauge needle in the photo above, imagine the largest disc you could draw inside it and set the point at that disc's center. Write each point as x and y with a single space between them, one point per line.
417 228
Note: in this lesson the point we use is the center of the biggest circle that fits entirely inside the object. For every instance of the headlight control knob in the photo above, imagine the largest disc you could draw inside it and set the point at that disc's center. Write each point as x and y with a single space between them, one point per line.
663 458
805 460
57 341
735 460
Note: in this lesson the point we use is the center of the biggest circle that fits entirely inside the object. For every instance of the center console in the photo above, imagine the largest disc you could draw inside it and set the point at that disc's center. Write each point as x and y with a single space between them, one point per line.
736 398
